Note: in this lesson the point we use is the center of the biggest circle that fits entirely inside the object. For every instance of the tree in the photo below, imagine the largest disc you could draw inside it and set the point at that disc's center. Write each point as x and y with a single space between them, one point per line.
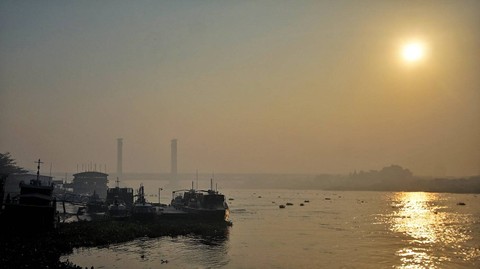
9 166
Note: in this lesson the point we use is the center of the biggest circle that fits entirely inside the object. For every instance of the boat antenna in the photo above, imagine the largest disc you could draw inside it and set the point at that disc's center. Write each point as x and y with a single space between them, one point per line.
118 183
196 178
211 184
38 168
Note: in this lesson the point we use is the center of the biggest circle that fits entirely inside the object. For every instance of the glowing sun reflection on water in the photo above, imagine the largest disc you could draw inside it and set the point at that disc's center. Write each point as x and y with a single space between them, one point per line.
429 230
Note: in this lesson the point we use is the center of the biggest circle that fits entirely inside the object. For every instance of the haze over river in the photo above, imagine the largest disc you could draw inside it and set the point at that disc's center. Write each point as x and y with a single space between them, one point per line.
332 230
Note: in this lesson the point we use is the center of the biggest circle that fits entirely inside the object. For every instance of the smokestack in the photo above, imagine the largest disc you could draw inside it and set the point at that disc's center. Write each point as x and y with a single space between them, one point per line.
119 156
173 169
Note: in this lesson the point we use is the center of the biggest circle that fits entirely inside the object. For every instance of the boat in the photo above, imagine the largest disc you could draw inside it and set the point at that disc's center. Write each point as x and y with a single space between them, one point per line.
95 204
201 204
117 193
141 208
35 205
118 209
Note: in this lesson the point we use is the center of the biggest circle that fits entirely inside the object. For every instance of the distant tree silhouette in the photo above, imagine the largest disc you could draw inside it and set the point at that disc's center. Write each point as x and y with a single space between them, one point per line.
9 166
393 172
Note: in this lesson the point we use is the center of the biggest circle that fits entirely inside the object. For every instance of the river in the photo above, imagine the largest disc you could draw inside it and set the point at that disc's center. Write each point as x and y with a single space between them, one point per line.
333 229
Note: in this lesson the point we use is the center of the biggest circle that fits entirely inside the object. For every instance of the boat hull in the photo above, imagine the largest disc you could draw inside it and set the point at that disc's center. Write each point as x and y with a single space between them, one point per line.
24 217
207 214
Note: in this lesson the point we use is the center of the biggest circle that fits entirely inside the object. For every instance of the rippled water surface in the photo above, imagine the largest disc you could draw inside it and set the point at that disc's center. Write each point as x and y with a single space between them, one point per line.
332 230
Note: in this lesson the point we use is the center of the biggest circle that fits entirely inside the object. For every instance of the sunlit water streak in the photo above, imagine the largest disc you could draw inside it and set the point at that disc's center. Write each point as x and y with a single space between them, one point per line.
333 230
431 231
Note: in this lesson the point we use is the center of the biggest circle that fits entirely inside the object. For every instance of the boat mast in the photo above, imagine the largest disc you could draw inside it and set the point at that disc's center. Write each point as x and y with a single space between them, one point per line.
211 180
38 169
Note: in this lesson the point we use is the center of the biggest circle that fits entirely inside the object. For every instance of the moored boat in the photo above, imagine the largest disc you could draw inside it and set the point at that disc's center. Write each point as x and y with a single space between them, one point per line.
118 209
95 204
34 205
141 208
202 204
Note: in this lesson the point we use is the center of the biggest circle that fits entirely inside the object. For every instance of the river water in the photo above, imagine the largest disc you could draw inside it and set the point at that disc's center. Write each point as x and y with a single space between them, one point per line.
333 230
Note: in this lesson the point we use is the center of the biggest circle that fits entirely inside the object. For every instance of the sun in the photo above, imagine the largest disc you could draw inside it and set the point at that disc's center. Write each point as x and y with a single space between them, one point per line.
413 52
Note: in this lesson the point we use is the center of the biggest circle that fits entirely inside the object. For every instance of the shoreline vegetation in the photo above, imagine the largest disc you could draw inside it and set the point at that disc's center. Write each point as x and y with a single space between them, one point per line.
29 249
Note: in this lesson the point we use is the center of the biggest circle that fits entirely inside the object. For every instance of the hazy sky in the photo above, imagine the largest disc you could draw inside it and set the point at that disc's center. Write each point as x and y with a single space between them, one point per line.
245 86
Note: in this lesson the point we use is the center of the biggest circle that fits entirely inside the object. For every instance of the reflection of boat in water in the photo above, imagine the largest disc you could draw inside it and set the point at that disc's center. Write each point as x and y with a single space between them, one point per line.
203 204
141 208
34 205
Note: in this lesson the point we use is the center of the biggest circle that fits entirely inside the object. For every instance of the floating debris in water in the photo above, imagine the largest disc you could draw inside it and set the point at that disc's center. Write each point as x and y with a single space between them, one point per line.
328 198
289 204
231 199
301 204
461 203
281 206
259 196
306 201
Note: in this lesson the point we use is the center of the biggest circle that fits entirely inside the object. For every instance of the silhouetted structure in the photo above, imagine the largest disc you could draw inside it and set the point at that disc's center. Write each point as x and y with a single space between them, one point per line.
12 182
86 183
202 204
34 205
120 194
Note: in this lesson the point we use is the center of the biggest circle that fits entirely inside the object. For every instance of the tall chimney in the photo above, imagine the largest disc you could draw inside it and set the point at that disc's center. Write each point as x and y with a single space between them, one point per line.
119 156
173 169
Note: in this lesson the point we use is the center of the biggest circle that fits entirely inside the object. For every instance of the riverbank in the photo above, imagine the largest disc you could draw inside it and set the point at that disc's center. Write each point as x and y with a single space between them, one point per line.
30 250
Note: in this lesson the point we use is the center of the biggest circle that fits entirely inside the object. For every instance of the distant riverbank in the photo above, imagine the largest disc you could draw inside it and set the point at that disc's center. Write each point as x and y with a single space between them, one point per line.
389 178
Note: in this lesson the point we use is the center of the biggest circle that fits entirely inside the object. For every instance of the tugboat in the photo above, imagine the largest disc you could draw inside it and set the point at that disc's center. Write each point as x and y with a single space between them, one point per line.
141 208
201 204
34 205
